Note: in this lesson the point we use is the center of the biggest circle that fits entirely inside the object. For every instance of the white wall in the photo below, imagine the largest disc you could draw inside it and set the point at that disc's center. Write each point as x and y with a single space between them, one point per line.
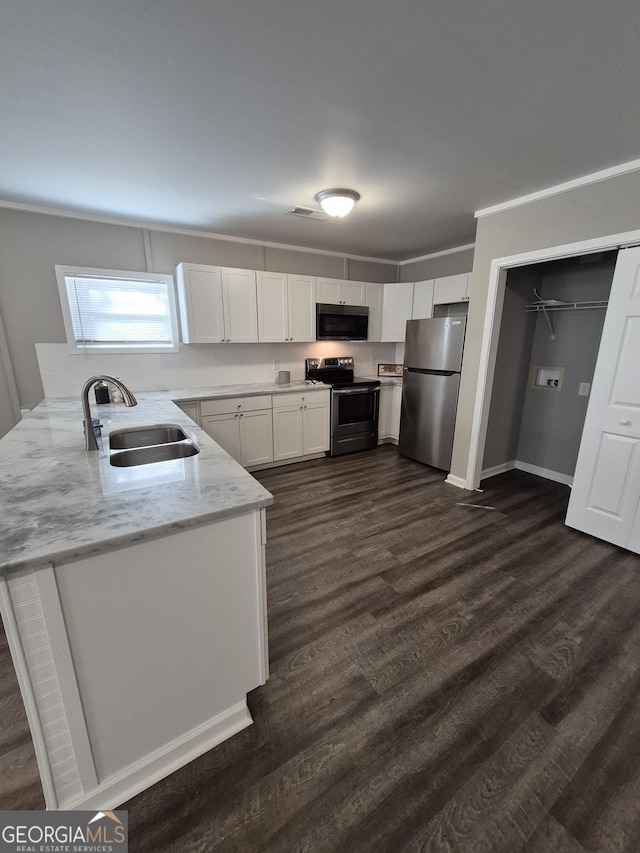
608 207
32 243
198 366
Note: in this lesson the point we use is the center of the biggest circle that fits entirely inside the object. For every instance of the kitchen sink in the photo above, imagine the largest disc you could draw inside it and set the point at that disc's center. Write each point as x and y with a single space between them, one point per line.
157 453
147 436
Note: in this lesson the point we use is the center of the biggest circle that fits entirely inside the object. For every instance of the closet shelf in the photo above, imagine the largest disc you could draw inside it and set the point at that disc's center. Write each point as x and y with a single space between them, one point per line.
568 306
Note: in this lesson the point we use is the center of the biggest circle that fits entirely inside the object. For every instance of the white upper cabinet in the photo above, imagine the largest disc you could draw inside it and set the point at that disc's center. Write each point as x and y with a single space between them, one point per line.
334 291
240 305
217 305
273 306
452 288
200 300
396 310
301 292
422 300
375 293
286 307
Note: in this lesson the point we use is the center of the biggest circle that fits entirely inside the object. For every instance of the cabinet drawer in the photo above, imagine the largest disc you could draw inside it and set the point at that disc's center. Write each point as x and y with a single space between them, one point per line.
235 404
299 399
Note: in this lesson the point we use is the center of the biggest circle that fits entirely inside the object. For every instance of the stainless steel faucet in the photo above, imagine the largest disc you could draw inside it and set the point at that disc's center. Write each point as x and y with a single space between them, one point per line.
90 442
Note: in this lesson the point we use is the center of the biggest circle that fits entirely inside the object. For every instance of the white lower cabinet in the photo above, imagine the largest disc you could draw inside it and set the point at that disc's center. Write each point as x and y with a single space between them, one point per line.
389 420
242 426
300 424
261 429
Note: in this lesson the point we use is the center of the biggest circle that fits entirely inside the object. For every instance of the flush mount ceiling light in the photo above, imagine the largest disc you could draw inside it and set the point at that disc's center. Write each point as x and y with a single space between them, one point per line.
338 202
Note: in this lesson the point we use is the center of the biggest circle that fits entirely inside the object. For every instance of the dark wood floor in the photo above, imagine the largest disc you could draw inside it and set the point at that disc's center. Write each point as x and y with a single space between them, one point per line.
443 678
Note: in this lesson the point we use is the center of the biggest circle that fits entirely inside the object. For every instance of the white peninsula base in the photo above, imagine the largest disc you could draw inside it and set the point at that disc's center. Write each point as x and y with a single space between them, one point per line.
135 661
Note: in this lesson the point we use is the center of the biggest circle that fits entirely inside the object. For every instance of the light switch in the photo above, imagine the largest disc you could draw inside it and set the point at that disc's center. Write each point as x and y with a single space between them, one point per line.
583 390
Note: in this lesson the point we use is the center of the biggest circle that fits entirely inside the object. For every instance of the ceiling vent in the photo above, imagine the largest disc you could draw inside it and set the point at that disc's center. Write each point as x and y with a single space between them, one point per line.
306 213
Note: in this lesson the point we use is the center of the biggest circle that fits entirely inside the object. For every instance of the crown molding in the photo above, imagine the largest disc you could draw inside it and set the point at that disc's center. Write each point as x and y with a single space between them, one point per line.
187 232
594 177
428 257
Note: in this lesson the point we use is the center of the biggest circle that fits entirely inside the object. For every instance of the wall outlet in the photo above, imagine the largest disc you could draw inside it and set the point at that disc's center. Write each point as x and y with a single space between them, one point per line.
584 389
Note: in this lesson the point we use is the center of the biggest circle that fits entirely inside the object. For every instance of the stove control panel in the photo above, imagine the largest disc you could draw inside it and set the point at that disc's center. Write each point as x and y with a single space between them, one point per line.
345 361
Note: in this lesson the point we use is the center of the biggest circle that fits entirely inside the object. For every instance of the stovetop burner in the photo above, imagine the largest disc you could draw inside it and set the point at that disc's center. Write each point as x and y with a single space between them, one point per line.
336 371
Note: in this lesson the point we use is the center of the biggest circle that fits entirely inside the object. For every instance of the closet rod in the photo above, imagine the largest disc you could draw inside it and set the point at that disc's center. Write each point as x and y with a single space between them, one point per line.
570 306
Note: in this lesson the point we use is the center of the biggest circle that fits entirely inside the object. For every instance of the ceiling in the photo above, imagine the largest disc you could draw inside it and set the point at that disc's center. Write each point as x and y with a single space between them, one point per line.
219 116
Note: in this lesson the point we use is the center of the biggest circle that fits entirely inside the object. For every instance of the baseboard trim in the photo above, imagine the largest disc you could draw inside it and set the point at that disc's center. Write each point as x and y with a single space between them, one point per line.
388 439
279 462
453 480
497 469
547 473
115 790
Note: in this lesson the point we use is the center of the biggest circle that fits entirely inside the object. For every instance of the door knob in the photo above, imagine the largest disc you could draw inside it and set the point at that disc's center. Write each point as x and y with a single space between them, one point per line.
625 422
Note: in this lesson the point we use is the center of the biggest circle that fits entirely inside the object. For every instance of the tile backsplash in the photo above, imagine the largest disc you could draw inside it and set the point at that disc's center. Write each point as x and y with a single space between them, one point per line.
198 365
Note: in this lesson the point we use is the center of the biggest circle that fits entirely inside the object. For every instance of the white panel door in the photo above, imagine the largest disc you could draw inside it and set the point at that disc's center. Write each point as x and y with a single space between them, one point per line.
422 300
287 432
374 301
397 308
315 427
384 418
225 431
354 292
451 288
273 320
606 486
302 308
329 291
256 437
240 305
201 309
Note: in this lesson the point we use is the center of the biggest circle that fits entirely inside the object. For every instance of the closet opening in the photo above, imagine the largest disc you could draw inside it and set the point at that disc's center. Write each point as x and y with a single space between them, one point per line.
550 330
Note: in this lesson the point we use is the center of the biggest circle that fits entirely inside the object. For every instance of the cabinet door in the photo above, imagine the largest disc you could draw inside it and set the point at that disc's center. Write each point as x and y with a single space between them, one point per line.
301 291
256 437
397 308
329 291
354 292
287 432
200 300
451 288
273 320
374 301
315 427
240 305
384 418
224 429
422 300
395 412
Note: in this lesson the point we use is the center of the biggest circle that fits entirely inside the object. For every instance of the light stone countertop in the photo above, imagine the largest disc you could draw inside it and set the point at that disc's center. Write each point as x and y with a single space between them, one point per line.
59 502
219 392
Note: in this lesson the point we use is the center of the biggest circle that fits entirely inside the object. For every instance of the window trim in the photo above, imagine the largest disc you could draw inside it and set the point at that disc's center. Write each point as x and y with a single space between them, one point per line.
63 272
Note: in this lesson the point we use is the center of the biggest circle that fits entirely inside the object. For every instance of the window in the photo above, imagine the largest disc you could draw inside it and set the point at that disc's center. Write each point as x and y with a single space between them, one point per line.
116 311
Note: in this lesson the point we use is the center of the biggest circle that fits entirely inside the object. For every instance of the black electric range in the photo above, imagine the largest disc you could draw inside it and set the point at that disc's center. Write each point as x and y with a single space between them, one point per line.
355 403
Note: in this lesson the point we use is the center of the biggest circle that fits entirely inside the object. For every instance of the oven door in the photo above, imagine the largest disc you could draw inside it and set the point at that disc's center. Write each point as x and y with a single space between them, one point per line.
354 410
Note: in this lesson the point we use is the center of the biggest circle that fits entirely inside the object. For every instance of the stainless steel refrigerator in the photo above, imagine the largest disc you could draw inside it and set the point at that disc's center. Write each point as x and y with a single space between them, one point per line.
431 380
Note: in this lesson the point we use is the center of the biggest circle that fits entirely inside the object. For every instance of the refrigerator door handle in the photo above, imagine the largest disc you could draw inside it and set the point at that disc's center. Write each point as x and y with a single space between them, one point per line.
430 372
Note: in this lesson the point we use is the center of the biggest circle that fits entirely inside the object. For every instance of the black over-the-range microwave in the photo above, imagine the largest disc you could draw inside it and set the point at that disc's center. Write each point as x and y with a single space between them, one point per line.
341 322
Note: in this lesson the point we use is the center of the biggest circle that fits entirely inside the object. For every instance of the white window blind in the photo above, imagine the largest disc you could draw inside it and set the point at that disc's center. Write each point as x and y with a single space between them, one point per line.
118 312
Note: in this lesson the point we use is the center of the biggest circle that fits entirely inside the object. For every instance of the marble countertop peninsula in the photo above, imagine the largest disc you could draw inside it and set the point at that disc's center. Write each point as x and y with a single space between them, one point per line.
59 502
250 390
